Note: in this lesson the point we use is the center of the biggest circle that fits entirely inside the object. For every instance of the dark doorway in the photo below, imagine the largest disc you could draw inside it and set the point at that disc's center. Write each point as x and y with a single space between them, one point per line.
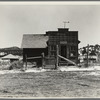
63 51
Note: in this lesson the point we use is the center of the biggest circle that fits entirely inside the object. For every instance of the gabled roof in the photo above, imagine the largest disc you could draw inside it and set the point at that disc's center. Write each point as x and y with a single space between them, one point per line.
34 41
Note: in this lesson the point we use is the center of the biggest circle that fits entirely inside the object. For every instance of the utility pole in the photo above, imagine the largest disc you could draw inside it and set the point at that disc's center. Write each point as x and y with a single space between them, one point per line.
65 23
87 55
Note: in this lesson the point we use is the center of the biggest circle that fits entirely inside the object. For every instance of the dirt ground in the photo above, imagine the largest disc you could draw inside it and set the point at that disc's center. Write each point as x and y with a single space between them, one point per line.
50 84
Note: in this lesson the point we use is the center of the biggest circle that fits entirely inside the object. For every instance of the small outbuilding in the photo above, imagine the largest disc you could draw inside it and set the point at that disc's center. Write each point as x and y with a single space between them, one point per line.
33 46
10 57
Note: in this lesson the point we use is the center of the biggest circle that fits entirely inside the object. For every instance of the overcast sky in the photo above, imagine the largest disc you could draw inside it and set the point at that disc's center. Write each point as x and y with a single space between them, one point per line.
16 20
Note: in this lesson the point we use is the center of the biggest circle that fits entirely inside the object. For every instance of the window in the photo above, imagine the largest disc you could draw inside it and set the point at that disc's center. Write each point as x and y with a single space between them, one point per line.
53 50
53 47
73 54
73 48
73 51
53 53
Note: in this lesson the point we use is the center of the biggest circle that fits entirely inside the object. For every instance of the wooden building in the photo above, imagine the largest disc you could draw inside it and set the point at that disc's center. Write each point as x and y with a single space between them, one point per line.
33 46
67 41
11 58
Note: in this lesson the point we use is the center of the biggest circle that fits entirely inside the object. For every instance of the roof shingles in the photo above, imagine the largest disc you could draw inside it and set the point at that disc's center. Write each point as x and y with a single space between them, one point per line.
34 41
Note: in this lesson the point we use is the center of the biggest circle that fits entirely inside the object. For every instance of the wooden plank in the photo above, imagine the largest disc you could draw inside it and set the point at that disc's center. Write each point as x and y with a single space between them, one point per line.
67 60
63 42
34 57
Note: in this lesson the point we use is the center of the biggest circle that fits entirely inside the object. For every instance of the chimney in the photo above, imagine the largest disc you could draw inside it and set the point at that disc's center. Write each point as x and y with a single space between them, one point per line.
63 29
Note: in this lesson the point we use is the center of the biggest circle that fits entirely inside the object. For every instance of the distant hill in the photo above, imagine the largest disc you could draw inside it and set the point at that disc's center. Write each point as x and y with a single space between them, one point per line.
11 50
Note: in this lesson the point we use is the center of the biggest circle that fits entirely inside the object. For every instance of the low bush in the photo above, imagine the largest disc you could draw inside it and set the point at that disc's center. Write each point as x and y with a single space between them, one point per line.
4 65
16 65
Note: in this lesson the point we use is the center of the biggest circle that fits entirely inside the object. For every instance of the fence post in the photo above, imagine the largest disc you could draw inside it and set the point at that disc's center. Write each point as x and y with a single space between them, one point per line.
57 49
26 62
43 62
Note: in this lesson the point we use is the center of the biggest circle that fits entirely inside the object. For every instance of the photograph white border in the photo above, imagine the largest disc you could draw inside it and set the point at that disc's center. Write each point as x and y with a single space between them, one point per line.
47 3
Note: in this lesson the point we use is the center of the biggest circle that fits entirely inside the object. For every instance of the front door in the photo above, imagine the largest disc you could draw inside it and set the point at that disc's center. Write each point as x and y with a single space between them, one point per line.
64 51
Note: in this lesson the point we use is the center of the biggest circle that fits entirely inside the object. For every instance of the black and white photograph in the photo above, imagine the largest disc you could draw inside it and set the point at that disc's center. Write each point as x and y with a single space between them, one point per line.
50 49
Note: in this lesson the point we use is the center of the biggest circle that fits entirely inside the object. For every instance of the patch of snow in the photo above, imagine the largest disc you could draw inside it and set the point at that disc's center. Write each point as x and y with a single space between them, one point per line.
94 73
97 67
35 70
9 71
18 71
75 69
95 70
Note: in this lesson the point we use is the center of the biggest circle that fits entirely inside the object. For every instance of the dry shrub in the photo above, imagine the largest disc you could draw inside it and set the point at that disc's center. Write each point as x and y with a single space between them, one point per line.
16 65
4 65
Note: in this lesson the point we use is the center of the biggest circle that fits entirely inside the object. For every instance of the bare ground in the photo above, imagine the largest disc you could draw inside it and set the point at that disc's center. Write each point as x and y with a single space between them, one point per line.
50 84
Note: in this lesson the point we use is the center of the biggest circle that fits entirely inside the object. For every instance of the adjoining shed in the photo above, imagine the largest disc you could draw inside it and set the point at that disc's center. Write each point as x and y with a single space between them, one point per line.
33 46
